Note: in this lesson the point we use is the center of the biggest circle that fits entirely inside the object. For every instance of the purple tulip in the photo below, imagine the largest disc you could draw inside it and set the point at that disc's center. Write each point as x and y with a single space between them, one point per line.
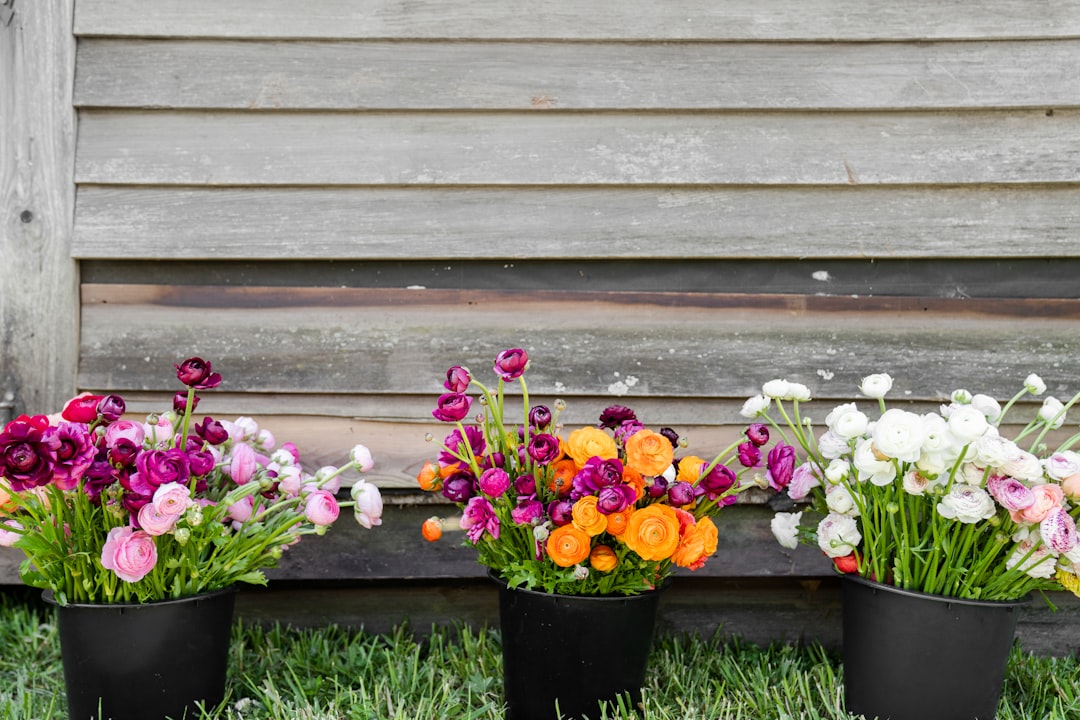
561 512
511 364
758 433
543 448
197 373
158 467
525 484
494 482
452 407
749 455
180 402
28 448
781 465
528 511
1010 493
457 379
479 517
540 417
615 415
615 499
212 431
681 493
459 487
110 408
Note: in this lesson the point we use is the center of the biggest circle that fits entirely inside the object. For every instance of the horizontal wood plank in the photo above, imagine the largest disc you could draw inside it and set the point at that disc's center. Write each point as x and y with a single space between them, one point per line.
579 19
232 148
308 75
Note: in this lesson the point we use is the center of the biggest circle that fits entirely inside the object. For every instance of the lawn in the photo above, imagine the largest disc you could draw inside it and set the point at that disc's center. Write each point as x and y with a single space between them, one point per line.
334 673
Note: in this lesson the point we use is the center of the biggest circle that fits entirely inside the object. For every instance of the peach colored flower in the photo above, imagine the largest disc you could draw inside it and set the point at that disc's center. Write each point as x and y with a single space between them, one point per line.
649 452
1047 497
616 522
1071 486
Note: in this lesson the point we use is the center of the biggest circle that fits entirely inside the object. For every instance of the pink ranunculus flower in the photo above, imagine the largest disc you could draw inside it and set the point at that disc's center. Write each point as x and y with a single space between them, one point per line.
1010 493
328 478
1058 530
129 553
154 522
159 432
243 464
803 480
290 479
1048 497
172 499
361 456
369 505
133 432
321 508
8 536
240 511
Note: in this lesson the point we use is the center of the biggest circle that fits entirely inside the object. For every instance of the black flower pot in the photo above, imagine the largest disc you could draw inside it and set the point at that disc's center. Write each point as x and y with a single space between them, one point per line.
145 661
572 652
913 656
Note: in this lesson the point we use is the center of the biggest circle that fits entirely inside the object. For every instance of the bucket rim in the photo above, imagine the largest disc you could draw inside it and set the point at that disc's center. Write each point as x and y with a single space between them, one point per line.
876 586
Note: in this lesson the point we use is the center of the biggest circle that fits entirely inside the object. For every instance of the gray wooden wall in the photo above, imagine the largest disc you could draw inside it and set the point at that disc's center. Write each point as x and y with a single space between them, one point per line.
666 203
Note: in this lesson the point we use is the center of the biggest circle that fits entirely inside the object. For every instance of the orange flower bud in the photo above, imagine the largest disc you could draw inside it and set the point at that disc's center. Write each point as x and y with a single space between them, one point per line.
603 558
429 479
568 545
431 529
562 479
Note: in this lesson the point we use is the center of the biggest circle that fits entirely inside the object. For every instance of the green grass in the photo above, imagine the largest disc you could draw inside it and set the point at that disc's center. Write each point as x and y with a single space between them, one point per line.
333 673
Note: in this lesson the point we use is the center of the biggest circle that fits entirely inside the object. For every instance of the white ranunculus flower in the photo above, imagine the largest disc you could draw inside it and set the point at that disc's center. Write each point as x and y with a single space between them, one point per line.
871 469
1052 412
777 389
967 504
368 509
799 392
992 450
1024 466
1061 465
960 397
754 406
785 528
936 437
970 473
1039 563
931 465
876 386
966 424
915 483
1034 384
987 405
899 435
837 471
838 499
838 535
848 424
832 446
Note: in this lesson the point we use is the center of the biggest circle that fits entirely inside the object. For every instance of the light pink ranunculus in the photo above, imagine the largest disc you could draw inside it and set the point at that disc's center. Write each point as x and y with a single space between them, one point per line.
7 535
290 479
361 455
803 480
328 478
369 505
133 432
240 511
160 432
266 439
243 464
321 508
1048 497
172 499
1010 493
129 553
154 522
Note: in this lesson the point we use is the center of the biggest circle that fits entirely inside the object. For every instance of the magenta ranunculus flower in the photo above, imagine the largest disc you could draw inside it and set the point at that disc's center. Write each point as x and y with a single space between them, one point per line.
158 467
561 512
758 433
615 499
200 462
658 487
543 448
511 364
528 511
718 481
525 484
321 508
452 407
494 482
180 402
749 455
540 417
74 455
110 408
781 465
212 431
474 437
614 416
479 517
129 553
28 448
1010 493
457 379
197 373
597 473
680 493
459 487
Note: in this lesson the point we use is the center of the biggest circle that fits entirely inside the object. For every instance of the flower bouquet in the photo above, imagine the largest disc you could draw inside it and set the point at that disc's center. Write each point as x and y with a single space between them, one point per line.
110 510
940 502
605 510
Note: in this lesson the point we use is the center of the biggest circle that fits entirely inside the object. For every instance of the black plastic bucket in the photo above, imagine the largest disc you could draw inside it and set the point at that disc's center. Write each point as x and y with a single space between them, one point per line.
146 661
913 656
573 651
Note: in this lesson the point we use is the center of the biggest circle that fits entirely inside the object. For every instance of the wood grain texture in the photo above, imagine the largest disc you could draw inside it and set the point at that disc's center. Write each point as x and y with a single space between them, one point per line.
381 75
577 19
221 148
38 279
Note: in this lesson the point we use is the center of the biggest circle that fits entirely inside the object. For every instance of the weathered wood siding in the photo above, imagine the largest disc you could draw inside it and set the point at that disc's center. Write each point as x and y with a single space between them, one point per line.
665 203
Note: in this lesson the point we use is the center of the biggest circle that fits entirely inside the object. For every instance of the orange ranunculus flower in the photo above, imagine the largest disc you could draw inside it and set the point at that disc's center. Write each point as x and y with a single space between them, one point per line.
429 478
603 558
697 544
562 479
653 532
6 503
568 545
616 522
633 478
447 470
690 469
649 452
588 517
588 442
431 529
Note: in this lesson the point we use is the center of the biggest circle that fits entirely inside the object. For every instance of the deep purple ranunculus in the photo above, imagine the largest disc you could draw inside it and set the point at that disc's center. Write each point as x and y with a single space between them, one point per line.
528 511
718 481
749 455
452 407
511 364
494 460
781 465
110 408
200 462
180 402
459 487
540 416
543 448
758 433
525 484
680 493
615 499
28 448
658 487
561 512
133 502
158 467
474 437
197 373
615 415
123 452
212 431
457 379
74 455
479 518
494 482
671 435
597 473
98 476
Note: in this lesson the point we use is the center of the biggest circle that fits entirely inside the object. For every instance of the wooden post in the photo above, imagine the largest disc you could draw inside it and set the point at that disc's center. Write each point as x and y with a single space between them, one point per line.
38 277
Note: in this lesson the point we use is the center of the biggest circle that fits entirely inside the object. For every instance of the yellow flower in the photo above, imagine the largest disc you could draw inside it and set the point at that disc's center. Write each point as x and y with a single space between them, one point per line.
1069 581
